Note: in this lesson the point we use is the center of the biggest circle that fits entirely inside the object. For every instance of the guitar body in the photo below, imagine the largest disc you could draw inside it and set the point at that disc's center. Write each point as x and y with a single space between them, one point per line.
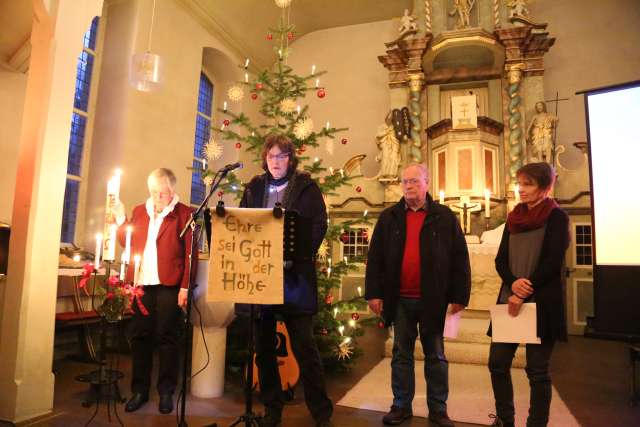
287 364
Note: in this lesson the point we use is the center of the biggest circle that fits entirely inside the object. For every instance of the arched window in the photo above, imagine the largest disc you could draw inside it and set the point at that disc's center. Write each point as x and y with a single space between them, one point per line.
78 127
203 131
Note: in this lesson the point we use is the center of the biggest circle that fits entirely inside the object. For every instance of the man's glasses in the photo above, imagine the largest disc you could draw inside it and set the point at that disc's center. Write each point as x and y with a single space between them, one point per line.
281 156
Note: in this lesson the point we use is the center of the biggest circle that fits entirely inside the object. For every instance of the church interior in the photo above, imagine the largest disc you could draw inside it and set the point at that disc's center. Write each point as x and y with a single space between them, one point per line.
95 94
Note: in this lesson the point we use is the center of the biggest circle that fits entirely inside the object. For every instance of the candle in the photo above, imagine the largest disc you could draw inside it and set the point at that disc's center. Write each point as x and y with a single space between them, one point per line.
246 63
442 197
246 77
116 183
280 53
313 69
341 329
328 125
76 258
110 244
298 109
96 262
516 193
352 323
136 269
126 256
316 160
122 265
331 170
335 312
487 203
224 106
204 164
317 83
359 291
366 211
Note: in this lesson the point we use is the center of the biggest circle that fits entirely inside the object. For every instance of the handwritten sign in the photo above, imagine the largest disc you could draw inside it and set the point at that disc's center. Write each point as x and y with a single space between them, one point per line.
246 257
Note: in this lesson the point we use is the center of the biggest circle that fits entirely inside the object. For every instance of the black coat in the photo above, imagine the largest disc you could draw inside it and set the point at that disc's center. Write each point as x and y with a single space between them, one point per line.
445 272
305 197
547 278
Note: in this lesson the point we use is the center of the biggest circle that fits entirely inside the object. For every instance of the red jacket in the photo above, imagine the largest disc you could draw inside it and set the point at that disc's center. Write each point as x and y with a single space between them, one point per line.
173 252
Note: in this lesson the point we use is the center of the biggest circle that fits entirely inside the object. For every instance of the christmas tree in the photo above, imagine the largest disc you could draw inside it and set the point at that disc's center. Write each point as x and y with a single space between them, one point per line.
280 91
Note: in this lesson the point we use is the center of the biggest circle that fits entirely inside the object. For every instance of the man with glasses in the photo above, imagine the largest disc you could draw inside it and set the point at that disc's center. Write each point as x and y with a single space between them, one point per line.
417 267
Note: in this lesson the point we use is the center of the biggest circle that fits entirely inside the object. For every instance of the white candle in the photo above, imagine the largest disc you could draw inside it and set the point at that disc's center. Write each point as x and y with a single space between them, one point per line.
96 262
136 269
313 69
246 63
331 170
516 193
122 266
126 256
442 197
366 211
298 109
280 53
341 329
110 244
335 312
116 183
328 125
317 83
359 291
204 164
246 77
487 203
352 323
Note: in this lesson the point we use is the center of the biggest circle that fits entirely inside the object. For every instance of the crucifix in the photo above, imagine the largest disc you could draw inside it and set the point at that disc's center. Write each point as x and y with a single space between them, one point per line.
465 207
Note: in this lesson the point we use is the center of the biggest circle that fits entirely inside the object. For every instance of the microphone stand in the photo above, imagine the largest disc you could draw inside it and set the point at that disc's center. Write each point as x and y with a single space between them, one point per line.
191 224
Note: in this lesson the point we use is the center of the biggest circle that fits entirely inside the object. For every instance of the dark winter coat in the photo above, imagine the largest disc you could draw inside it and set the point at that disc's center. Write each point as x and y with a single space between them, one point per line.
305 197
445 272
547 279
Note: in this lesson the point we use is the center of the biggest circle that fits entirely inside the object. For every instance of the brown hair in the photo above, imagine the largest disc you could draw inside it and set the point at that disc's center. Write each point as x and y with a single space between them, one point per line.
541 173
285 145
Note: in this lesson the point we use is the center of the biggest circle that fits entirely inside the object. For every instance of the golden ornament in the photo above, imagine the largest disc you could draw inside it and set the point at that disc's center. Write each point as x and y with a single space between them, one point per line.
303 128
287 106
235 93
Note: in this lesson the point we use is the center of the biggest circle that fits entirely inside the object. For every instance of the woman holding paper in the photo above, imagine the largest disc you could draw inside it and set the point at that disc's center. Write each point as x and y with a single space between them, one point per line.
530 262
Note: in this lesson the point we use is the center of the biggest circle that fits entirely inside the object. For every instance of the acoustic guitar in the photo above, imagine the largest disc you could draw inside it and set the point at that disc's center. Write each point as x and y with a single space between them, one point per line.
287 364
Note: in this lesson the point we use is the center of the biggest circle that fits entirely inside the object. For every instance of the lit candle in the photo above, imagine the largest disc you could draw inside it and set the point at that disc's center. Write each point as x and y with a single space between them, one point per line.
487 203
331 170
366 211
76 258
136 271
315 159
359 291
96 262
298 109
328 125
127 248
341 329
342 172
246 77
352 323
224 106
328 271
280 53
122 265
346 261
335 312
516 193
313 69
442 197
204 164
246 63
317 83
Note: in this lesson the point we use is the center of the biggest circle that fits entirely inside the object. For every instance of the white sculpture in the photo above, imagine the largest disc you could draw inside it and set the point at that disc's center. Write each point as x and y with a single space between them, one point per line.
518 8
408 23
540 134
389 156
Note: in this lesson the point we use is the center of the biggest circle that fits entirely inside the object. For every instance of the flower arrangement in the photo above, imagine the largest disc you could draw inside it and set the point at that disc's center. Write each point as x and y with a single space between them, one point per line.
114 298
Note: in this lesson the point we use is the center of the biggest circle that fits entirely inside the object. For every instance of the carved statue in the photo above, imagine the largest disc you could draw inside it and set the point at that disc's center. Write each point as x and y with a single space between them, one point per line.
389 156
462 8
518 8
540 134
408 23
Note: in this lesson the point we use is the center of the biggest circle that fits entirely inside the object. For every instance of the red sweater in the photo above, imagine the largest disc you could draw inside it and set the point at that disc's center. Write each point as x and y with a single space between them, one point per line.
410 274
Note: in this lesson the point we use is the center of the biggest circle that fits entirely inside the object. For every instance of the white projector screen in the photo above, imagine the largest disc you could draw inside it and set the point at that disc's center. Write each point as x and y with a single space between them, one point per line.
614 138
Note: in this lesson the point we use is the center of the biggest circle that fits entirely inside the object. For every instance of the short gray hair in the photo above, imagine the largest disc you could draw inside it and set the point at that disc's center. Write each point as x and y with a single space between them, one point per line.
423 168
164 173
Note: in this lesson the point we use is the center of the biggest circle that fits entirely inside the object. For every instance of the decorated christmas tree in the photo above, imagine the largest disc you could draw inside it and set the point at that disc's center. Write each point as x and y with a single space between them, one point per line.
280 93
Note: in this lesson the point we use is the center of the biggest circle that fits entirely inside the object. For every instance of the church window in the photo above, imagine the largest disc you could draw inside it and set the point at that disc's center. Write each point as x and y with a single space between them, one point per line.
203 132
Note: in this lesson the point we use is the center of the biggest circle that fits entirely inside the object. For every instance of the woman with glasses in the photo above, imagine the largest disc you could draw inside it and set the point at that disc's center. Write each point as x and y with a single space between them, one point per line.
296 191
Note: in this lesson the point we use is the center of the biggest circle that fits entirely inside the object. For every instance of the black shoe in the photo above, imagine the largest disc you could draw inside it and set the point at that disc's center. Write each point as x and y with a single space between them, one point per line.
271 419
136 401
441 419
497 422
165 406
397 415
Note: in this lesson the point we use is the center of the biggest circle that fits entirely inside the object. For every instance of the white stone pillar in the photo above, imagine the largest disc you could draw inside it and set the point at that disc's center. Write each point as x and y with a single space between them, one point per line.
28 322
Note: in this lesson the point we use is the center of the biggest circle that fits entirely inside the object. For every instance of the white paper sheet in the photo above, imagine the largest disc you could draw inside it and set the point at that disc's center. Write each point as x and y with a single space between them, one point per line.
452 324
520 329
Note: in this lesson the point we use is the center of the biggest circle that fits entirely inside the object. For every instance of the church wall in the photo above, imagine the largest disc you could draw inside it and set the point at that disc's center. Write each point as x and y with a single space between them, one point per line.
139 131
356 85
12 93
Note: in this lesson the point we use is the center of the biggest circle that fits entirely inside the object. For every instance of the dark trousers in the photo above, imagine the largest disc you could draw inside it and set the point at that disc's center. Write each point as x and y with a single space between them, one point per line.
157 329
436 366
538 355
306 352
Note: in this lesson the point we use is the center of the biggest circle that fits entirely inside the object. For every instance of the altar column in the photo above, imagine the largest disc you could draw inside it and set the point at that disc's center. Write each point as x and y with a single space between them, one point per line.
28 311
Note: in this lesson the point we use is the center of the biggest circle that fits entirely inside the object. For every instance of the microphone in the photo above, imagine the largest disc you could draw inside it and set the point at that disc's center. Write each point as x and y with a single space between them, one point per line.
232 166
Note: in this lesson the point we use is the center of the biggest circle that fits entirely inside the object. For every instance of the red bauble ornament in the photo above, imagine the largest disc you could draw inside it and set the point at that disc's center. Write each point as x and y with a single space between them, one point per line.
355 316
328 299
381 324
238 145
254 96
226 122
359 189
290 36
302 148
324 270
344 141
344 238
259 86
321 93
220 193
269 36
